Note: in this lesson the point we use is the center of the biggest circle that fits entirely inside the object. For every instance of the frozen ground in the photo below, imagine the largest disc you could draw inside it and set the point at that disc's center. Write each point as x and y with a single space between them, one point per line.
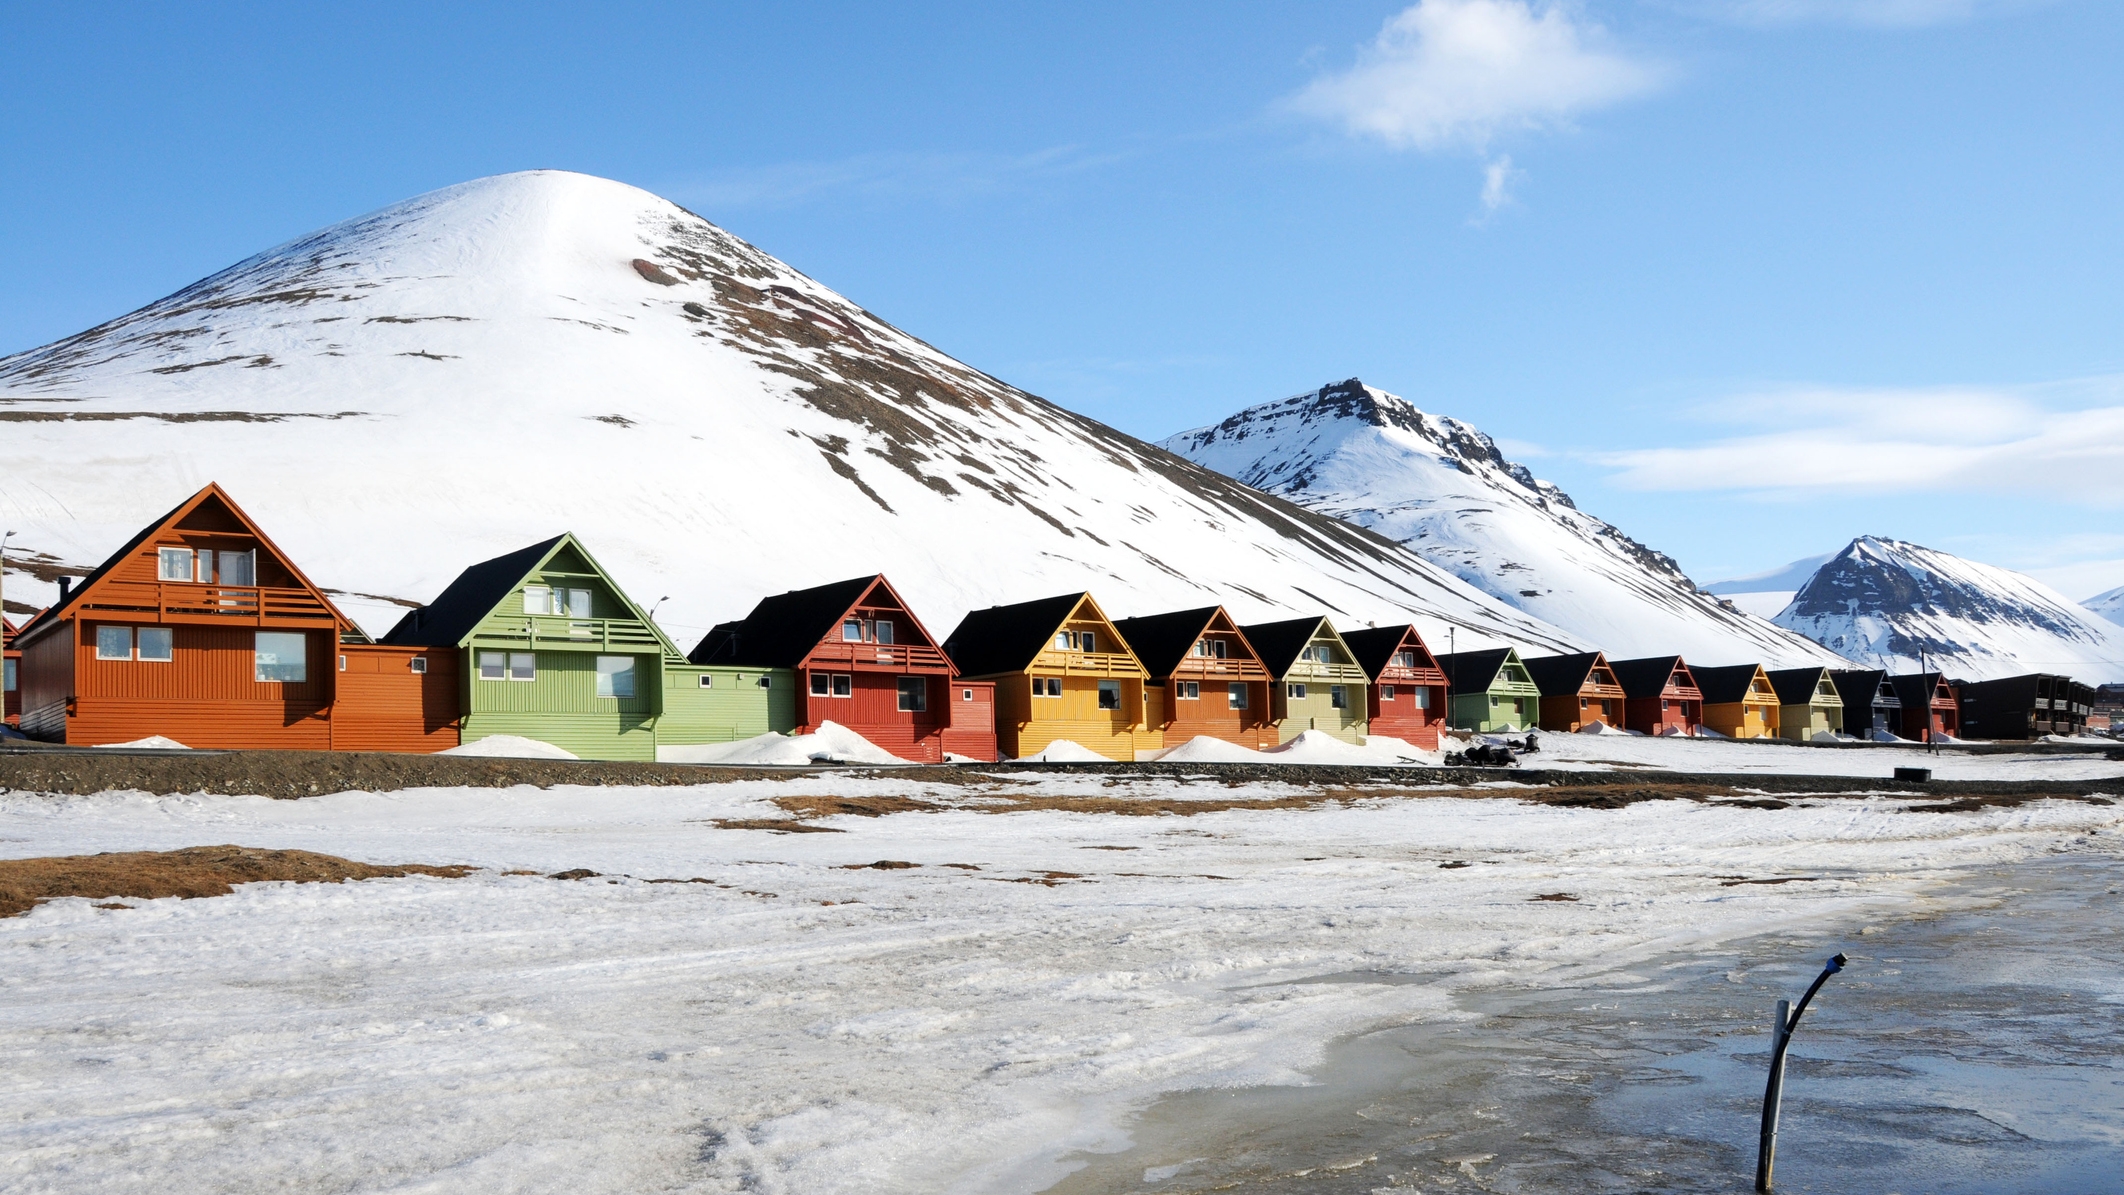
805 1022
1576 751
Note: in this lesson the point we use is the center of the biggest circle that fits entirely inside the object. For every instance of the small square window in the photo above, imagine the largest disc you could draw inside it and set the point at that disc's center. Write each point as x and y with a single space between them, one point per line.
843 684
1109 695
238 568
851 630
914 692
966 695
173 564
538 599
418 665
1339 696
1189 690
765 682
821 684
114 643
1295 692
156 644
1386 692
1236 695
707 681
615 676
884 630
523 665
493 665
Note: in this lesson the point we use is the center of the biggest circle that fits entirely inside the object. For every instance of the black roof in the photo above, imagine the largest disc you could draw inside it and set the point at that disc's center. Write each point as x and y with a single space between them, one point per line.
1161 641
1473 671
57 610
1374 647
1004 639
1916 689
783 629
1862 687
1725 684
475 593
1795 686
1561 676
1645 676
1278 643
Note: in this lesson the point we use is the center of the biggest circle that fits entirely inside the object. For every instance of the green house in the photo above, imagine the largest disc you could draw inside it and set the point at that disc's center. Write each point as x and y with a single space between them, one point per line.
554 650
1317 682
1492 691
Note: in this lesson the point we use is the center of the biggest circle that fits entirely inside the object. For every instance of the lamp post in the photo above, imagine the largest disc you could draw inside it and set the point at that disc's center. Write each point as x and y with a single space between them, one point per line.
1453 680
3 573
1774 1091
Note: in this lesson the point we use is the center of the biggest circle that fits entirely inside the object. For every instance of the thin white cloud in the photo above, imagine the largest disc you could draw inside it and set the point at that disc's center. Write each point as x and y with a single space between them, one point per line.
2032 441
1454 73
1879 13
890 176
1497 179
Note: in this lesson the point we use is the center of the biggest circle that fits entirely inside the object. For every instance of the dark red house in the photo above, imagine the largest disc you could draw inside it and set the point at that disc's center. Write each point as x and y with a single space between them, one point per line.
12 694
863 660
1407 694
1659 695
1930 711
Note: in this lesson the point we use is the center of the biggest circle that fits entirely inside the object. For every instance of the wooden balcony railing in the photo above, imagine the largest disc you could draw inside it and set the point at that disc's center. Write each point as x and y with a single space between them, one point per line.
886 656
554 633
1078 663
177 602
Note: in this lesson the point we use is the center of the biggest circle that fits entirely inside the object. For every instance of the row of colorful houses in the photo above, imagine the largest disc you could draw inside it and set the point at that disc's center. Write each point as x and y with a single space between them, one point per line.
201 630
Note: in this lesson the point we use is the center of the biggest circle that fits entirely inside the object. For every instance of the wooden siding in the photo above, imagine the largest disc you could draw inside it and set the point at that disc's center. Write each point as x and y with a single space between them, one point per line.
1672 712
1600 700
383 705
872 709
1316 710
1026 725
560 705
1176 719
970 730
733 706
206 695
1402 717
1511 703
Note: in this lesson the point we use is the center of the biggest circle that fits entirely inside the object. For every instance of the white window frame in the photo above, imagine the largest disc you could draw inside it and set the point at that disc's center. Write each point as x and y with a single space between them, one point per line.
613 685
1294 691
140 645
1338 697
707 680
821 684
843 684
527 661
166 557
882 631
1386 692
538 599
851 630
1113 687
1235 695
112 632
920 690
257 665
967 695
417 665
501 665
1188 690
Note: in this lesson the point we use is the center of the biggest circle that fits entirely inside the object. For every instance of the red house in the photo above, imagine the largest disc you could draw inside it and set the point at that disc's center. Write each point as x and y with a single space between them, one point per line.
12 693
1407 696
865 661
203 631
1930 711
1659 695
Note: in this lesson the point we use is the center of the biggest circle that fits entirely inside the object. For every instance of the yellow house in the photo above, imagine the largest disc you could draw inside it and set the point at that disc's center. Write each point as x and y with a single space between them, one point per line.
1739 701
1061 671
1317 682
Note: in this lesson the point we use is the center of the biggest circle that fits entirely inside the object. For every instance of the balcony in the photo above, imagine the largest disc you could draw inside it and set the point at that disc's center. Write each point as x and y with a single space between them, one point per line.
1078 663
172 602
893 657
554 633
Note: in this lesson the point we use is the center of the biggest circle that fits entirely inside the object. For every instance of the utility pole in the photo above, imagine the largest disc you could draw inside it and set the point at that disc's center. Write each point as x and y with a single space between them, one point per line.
3 573
1453 680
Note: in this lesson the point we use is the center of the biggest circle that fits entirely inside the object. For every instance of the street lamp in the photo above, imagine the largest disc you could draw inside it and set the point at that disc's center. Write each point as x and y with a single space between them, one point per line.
1774 1091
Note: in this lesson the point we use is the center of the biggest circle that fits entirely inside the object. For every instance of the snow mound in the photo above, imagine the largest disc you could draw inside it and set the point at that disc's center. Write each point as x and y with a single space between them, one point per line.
1886 736
1600 728
1065 751
1315 746
510 746
152 742
830 743
1205 749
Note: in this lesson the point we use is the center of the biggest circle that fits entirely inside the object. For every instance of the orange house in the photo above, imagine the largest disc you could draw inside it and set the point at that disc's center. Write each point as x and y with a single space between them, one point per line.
201 630
1577 691
1205 678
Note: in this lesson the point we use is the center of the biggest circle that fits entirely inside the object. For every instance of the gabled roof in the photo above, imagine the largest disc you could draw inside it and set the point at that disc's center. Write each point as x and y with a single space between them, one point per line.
1862 686
1562 676
1726 684
1796 686
1917 688
1004 639
1373 647
1646 676
1278 643
1474 671
75 595
783 629
457 611
1162 641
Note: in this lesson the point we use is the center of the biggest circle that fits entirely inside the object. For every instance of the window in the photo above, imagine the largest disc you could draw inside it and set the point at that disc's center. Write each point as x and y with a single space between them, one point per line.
493 665
1047 686
281 656
851 630
342 663
578 603
967 695
1109 692
173 564
538 599
1294 692
1187 690
1423 699
238 568
1386 692
1404 659
705 680
1236 695
418 665
1664 704
1065 640
114 643
1215 649
1585 703
8 684
1088 642
765 682
843 684
914 690
1321 654
821 684
885 633
827 684
523 666
1339 696
615 676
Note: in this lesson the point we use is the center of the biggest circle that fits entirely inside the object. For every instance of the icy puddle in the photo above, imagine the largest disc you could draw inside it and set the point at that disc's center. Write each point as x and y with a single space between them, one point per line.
1980 1049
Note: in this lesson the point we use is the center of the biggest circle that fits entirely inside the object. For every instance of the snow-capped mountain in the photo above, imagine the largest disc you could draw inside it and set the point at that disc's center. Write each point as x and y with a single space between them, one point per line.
1442 487
405 393
1766 594
2109 605
1882 600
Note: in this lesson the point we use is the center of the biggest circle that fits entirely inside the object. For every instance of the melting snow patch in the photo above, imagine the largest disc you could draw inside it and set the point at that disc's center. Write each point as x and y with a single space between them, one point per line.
1064 751
1600 728
831 743
154 741
510 746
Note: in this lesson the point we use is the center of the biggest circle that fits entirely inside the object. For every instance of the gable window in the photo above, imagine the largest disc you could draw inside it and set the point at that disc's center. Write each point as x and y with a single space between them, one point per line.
1386 692
1109 691
615 676
1215 649
885 631
237 568
1087 642
1339 696
1235 695
1404 659
538 599
1294 692
157 644
851 630
1323 654
1188 690
914 690
114 643
578 602
173 564
281 656
1065 640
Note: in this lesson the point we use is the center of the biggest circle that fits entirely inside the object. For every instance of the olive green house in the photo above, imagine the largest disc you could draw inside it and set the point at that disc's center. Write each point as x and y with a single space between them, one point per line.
1316 683
554 650
1492 691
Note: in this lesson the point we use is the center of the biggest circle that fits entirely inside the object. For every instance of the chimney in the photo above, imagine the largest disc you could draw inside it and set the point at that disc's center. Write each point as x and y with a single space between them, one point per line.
65 585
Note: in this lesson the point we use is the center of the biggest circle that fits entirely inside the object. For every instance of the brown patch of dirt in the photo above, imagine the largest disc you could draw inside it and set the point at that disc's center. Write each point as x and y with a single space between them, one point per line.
880 865
858 806
191 872
774 825
575 873
1557 896
1777 880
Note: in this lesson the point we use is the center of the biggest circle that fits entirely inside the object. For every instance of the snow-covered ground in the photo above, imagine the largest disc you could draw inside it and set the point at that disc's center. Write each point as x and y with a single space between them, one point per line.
805 1022
1571 752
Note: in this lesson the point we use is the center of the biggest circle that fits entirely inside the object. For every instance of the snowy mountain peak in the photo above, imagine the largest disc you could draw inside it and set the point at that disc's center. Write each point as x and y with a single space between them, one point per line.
494 363
1885 601
2109 605
1444 488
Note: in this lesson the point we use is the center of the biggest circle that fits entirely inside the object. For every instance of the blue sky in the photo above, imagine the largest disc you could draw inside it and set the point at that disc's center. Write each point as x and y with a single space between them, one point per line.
1747 277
